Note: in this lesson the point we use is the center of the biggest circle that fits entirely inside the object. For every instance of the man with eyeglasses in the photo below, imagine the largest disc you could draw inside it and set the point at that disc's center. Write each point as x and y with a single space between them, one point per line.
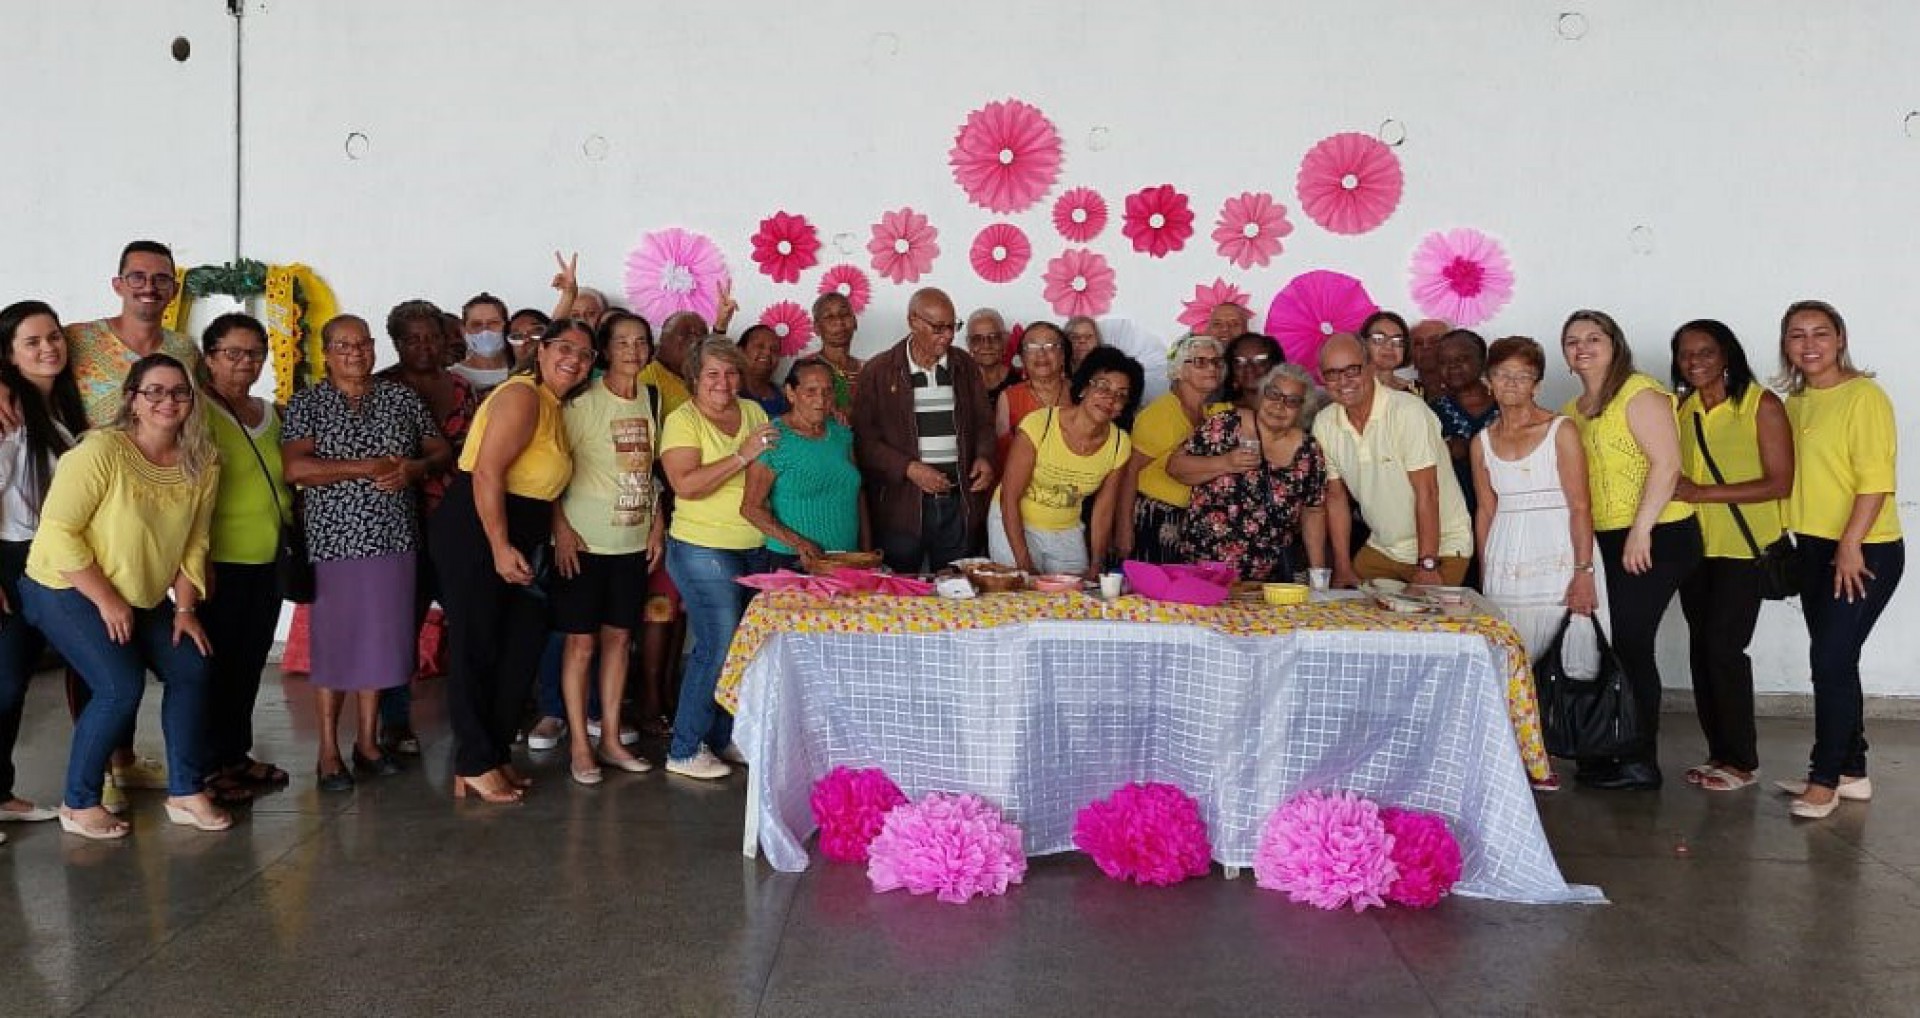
1383 447
923 435
103 351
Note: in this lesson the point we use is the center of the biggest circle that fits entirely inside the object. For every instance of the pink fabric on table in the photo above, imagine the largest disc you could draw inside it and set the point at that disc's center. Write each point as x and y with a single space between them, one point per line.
843 581
1202 583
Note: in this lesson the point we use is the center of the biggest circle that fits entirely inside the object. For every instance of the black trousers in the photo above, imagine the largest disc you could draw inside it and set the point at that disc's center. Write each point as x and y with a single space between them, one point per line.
1636 604
240 619
1721 601
495 630
945 535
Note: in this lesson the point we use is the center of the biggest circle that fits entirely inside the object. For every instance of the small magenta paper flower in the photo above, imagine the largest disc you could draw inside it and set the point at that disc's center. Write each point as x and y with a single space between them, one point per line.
955 847
1461 276
674 270
849 281
1158 220
1006 156
1000 253
1206 297
1349 183
1079 282
848 804
785 246
1249 229
791 323
1328 850
1427 855
1080 214
904 245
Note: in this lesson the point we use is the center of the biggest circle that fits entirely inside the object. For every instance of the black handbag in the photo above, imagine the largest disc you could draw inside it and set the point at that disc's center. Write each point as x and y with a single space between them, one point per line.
292 565
1586 718
1779 562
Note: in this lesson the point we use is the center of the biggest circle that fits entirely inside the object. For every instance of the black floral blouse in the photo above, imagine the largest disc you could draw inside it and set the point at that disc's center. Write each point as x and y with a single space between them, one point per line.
1251 520
353 519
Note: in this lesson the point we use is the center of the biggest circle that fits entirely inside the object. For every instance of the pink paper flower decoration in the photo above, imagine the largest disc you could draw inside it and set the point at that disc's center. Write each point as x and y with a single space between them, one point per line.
1312 307
849 805
1425 853
674 270
1080 214
791 323
1328 850
1006 156
955 847
850 282
1158 220
1249 229
904 245
785 246
1461 276
1349 183
1000 253
1146 833
1208 296
1079 283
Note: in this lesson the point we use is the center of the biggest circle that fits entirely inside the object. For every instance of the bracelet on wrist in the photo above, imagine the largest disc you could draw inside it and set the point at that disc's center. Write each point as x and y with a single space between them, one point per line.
1583 567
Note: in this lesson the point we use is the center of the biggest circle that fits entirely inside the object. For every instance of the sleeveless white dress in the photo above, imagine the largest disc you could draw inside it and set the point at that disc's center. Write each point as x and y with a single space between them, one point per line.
1528 560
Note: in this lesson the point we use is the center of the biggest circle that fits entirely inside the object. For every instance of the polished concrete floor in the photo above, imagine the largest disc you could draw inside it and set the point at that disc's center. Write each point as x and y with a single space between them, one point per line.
632 899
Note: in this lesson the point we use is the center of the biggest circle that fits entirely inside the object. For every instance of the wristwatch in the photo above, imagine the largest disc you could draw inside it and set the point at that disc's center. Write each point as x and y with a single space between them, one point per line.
1428 563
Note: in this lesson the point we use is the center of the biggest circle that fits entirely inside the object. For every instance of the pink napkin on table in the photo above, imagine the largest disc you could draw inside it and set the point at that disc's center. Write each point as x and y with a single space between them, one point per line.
843 581
1202 583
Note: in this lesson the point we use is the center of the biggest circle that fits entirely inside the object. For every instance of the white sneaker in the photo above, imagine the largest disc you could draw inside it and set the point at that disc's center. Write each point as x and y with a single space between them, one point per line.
628 734
702 765
546 734
733 755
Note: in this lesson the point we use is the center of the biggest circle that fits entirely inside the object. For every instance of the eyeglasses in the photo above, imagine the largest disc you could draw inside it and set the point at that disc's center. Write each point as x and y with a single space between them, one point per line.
1382 339
947 328
242 354
523 337
344 346
1033 348
138 280
1512 377
1350 373
1255 360
1296 402
1106 388
1203 362
158 394
987 337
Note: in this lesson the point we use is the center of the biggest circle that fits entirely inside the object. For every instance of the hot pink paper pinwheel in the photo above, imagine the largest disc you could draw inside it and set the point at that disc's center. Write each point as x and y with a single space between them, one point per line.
1158 220
1006 156
1249 229
1080 214
1349 183
791 323
1461 276
784 246
1312 307
904 245
849 281
1079 282
674 270
1208 296
1000 253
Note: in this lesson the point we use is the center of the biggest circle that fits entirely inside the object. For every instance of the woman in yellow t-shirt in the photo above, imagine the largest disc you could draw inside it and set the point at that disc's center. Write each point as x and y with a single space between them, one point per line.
1059 458
1851 552
1648 541
1153 506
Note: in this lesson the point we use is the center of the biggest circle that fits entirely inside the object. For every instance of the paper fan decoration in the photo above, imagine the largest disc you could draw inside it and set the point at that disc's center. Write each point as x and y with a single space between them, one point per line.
1079 282
1080 214
851 282
675 270
1312 307
904 245
1206 297
791 323
1461 276
785 246
1249 229
1158 220
1349 183
1006 156
1000 253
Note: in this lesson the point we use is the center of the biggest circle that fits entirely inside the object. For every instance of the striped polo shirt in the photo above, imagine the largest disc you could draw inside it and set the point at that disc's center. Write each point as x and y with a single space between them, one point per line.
933 414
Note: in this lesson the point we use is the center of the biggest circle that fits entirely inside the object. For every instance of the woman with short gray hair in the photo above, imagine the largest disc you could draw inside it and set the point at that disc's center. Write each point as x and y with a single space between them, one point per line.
1153 505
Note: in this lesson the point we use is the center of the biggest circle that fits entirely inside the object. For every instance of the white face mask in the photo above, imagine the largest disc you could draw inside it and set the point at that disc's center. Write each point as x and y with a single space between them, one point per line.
486 344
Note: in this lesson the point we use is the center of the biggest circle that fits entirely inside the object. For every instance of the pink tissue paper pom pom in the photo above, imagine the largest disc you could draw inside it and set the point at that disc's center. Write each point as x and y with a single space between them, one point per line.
955 847
1146 833
1328 850
849 805
1427 855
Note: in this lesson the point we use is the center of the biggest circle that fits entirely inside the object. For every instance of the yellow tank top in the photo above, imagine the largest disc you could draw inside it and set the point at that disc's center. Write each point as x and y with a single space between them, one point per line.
1616 466
542 469
1733 436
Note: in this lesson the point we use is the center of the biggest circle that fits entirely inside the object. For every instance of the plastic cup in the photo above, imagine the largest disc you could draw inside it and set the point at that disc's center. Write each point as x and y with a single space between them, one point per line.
1320 579
1110 585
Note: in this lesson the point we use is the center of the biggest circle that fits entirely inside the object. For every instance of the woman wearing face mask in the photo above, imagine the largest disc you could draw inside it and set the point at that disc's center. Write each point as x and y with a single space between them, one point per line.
483 321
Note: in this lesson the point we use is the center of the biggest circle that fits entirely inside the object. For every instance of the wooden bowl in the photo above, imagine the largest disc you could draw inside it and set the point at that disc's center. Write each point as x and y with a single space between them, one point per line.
993 578
833 561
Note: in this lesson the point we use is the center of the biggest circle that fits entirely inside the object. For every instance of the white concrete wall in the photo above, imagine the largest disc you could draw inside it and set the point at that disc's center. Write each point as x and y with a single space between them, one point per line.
1767 149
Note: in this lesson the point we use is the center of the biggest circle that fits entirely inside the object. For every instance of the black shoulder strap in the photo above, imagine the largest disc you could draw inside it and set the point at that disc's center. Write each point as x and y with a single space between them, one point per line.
1739 519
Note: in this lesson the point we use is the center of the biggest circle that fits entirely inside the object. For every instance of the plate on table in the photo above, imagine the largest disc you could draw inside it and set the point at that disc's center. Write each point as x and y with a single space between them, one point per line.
1405 604
1055 583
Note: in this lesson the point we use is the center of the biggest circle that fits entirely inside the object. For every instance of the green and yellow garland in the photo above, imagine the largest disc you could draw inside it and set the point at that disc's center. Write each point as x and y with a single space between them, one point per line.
298 304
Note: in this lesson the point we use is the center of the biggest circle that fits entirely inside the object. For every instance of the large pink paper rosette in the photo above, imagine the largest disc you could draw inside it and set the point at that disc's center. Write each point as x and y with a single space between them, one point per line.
1461 276
1080 214
675 270
1006 156
1349 183
904 245
1312 307
955 847
1249 228
1327 849
849 281
1206 297
784 246
1000 253
849 804
1149 833
791 323
1158 220
1079 282
1426 854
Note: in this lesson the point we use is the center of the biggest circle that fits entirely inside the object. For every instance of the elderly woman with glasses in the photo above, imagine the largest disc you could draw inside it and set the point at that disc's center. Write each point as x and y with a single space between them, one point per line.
1043 351
1153 505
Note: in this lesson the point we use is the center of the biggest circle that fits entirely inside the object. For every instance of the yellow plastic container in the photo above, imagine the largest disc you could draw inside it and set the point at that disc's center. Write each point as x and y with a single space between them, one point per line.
1284 594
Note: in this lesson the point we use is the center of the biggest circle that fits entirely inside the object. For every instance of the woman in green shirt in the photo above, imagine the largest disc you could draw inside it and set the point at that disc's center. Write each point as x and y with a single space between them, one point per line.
804 492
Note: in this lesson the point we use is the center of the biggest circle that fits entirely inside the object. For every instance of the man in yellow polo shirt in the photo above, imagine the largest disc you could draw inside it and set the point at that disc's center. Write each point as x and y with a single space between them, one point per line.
1384 448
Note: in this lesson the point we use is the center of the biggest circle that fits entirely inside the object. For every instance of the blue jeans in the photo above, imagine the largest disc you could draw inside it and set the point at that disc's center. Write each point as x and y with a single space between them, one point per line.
714 605
1836 630
117 675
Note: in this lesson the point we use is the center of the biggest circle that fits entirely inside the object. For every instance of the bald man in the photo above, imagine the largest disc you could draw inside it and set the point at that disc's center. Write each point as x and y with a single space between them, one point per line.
1423 350
1228 322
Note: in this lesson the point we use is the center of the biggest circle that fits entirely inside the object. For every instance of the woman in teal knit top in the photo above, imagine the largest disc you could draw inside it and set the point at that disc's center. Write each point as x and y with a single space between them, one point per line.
804 492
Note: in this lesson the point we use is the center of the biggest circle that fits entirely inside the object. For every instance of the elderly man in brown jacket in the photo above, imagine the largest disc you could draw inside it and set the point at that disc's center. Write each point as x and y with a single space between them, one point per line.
923 435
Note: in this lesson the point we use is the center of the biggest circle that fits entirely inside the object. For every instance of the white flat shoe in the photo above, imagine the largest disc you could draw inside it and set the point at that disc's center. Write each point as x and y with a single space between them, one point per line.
28 816
1814 811
1851 789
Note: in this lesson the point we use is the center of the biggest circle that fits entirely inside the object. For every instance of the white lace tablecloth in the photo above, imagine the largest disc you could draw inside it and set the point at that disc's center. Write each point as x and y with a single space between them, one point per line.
1044 717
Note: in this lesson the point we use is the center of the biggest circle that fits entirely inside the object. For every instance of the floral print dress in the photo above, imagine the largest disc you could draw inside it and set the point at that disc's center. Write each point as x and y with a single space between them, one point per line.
1251 519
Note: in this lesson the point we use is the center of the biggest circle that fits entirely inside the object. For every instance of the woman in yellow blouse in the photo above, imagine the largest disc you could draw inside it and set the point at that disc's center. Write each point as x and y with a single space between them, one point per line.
1153 506
125 523
1648 541
1851 552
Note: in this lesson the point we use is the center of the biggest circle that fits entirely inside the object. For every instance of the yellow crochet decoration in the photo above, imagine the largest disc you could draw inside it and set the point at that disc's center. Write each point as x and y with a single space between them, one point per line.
298 303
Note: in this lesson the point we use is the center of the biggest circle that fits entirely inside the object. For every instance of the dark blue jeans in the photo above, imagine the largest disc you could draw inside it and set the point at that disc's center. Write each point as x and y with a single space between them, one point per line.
116 673
1836 630
714 604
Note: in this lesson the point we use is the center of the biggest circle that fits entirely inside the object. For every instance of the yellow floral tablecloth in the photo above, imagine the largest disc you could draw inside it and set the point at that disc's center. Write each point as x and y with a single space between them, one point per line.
773 613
